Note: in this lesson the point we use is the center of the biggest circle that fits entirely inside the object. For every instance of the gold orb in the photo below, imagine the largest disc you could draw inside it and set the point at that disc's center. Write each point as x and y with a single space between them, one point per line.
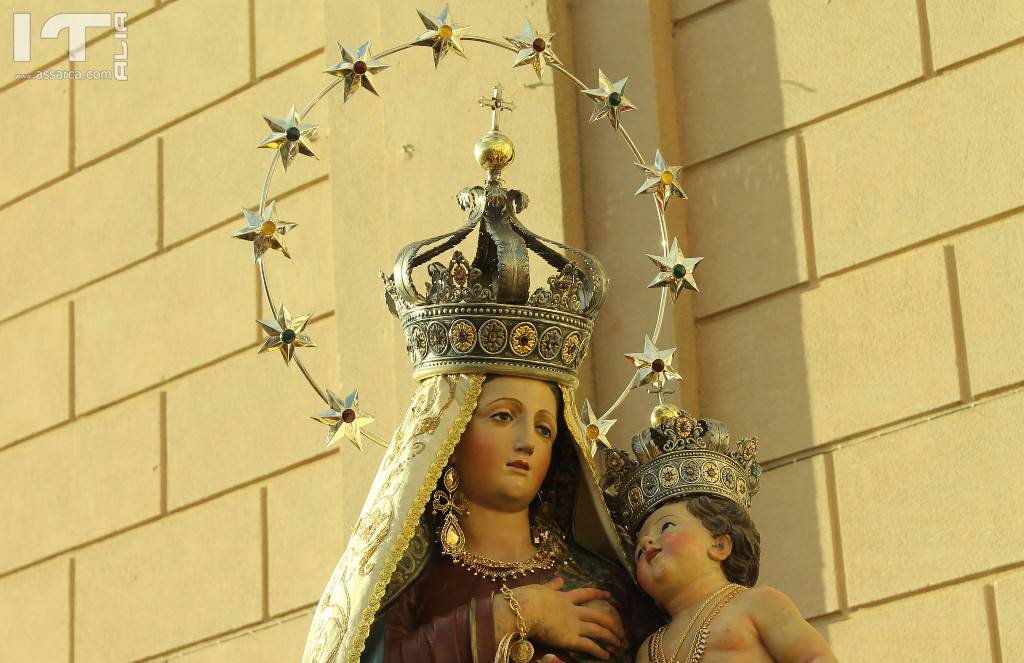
268 228
445 32
593 432
663 413
494 151
666 177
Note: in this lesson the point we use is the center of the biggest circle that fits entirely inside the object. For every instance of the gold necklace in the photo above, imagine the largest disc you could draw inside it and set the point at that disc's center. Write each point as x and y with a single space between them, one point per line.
656 648
701 638
551 551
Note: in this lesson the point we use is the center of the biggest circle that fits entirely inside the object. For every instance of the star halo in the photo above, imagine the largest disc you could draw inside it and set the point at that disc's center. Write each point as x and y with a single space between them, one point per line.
442 35
534 49
653 366
595 430
675 271
290 137
609 99
286 333
357 68
662 181
344 418
264 231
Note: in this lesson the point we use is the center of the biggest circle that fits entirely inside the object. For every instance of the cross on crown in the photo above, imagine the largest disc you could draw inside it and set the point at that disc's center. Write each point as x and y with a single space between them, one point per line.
496 104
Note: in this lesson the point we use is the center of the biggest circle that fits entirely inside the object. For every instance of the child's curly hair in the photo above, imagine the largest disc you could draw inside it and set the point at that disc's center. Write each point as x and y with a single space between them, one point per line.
720 516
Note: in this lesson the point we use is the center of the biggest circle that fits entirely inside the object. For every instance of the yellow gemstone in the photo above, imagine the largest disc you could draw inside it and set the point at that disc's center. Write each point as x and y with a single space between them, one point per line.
666 177
592 432
445 32
268 228
451 536
451 480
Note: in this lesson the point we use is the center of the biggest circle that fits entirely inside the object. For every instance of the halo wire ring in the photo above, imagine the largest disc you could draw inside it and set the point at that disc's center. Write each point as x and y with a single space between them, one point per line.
621 130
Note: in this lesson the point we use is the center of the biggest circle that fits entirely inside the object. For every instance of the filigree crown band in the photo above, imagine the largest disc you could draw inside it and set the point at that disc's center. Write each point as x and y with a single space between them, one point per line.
496 338
677 456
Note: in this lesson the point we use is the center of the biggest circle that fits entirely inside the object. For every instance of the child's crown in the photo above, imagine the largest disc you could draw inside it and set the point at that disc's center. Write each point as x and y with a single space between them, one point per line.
677 456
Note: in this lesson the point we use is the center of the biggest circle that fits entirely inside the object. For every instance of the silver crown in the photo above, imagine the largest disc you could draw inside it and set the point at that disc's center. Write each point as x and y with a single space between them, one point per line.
677 456
480 316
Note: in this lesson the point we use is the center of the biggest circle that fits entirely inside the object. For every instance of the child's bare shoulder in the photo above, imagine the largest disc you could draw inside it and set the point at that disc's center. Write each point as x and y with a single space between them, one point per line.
767 604
783 632
765 597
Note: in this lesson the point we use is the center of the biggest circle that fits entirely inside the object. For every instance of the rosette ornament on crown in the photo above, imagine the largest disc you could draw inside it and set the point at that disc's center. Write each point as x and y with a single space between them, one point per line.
677 456
480 315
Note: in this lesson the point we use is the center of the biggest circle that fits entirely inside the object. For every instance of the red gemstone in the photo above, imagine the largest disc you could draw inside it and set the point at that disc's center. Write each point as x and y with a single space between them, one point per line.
539 45
359 67
348 416
657 366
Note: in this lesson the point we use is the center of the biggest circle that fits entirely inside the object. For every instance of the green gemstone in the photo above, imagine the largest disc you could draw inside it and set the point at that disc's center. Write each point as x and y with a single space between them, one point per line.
287 336
292 133
614 98
679 271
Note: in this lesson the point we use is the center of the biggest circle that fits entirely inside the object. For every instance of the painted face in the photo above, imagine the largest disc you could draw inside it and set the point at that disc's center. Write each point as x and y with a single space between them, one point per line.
673 547
505 451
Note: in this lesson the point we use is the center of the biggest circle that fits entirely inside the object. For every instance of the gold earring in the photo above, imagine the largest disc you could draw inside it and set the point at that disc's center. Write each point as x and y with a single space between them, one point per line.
449 502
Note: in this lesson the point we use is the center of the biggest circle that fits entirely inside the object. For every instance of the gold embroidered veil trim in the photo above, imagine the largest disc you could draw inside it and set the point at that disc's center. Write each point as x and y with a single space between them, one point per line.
418 452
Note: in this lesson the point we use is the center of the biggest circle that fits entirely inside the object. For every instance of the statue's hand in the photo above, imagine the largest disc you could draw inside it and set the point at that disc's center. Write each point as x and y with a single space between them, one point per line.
565 620
603 605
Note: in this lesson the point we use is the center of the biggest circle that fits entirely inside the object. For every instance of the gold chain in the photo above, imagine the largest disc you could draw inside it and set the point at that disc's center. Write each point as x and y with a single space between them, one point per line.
514 604
701 638
656 649
514 647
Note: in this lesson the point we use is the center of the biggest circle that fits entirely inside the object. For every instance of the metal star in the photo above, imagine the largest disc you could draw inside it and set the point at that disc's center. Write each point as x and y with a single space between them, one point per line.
442 34
264 231
285 333
356 67
662 181
289 136
534 49
595 429
653 365
344 418
610 100
676 271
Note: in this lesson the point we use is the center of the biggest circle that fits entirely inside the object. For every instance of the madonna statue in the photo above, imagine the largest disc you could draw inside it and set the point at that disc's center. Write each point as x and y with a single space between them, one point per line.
484 536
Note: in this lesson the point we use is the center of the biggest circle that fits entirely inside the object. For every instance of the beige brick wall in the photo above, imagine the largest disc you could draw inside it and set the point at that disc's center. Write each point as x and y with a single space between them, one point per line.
950 624
144 447
856 164
852 185
35 612
84 478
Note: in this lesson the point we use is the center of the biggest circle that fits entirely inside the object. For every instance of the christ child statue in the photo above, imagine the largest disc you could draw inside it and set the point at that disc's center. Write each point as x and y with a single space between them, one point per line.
698 558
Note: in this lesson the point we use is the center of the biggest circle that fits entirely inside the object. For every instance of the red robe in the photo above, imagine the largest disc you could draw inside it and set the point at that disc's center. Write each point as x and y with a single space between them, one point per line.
447 614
